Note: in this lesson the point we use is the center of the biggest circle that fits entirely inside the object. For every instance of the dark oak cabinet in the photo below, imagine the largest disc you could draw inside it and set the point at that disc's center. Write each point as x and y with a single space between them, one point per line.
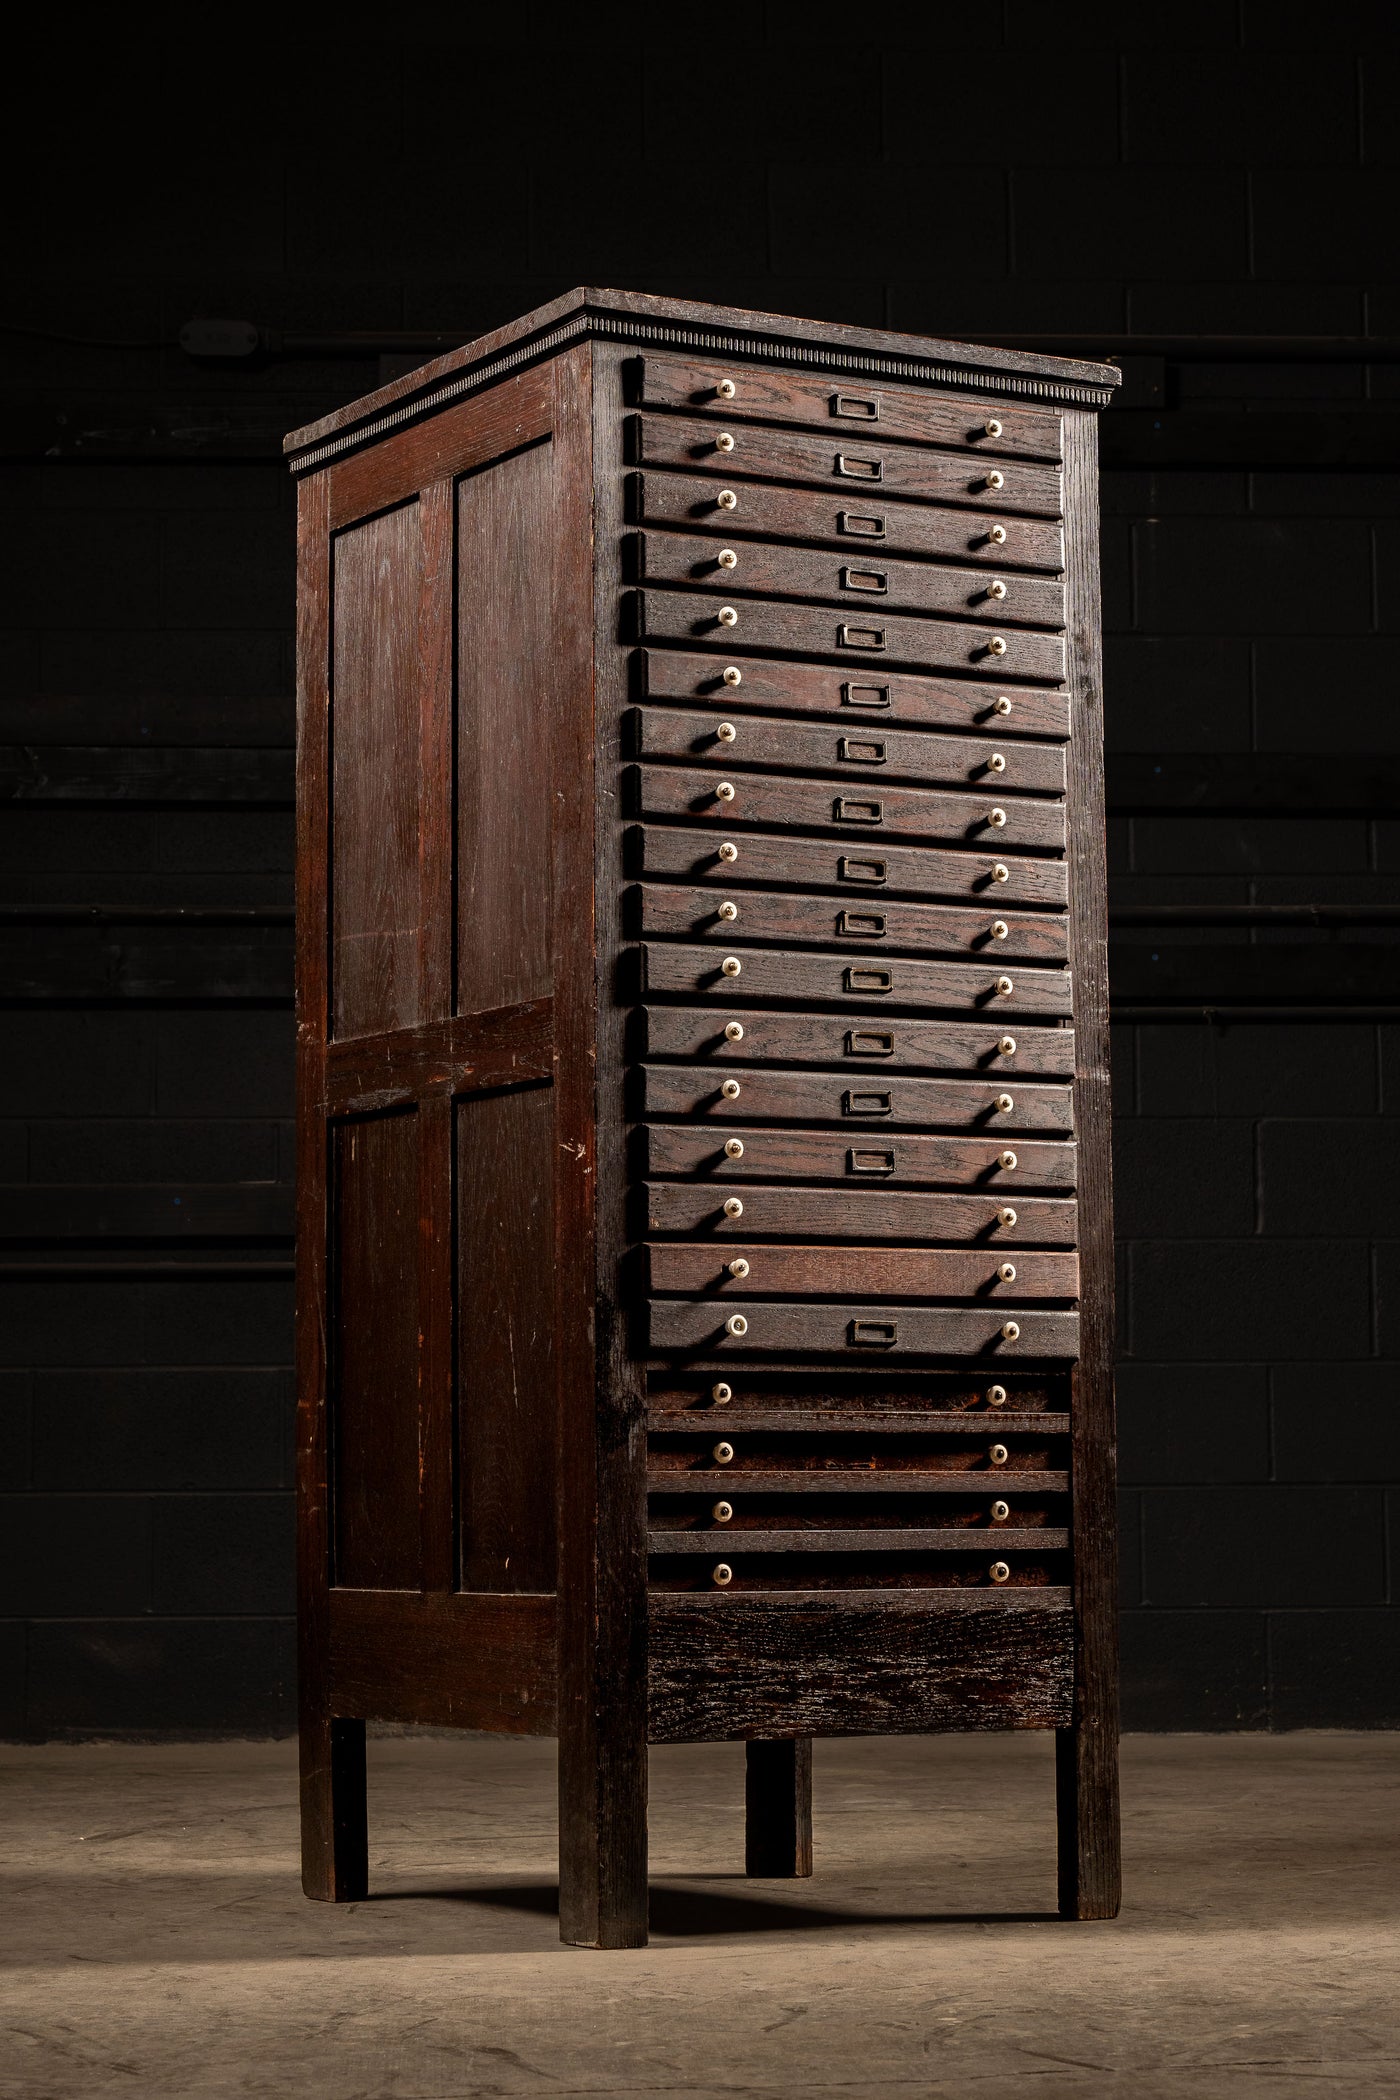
704 1253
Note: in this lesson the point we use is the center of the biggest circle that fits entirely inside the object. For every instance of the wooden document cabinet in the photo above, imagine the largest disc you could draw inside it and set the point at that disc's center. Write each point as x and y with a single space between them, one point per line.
704 1304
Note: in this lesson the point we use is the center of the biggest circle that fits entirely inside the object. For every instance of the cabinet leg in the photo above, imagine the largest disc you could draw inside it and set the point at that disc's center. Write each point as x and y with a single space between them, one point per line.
778 1808
334 1834
1086 1801
603 1844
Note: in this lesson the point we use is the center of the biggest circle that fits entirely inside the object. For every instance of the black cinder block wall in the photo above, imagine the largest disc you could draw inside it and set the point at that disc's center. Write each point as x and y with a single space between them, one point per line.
1208 171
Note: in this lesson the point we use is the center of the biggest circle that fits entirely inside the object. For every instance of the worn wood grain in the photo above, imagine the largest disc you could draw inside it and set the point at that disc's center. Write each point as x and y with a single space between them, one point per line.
846 522
852 751
778 858
513 414
866 921
855 1328
766 1152
866 578
856 1664
466 1053
871 1213
894 1101
886 1272
774 973
445 1661
879 695
864 810
868 1042
846 635
858 461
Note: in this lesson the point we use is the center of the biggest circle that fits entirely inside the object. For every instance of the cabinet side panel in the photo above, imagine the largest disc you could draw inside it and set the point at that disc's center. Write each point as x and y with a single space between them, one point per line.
505 1185
374 1332
506 552
376 895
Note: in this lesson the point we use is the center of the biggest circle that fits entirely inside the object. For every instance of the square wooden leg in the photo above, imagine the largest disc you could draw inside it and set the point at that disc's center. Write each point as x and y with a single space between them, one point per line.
1086 1800
334 1831
778 1808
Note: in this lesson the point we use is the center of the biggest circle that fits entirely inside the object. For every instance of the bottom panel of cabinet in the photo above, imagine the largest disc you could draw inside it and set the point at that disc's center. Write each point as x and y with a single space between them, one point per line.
858 1663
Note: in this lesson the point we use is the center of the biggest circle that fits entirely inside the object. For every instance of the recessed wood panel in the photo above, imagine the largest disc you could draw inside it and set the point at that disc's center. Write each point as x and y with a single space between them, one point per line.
376 898
505 1383
506 530
374 1353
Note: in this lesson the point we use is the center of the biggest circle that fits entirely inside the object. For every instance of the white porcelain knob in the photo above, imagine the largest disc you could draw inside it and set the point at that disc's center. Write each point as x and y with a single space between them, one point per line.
1011 1332
997 535
1006 1215
727 911
734 1208
733 675
728 851
998 1454
724 1575
721 1394
738 1267
734 1031
998 1571
728 559
725 793
996 1396
1000 871
996 646
734 1148
1007 1272
730 1090
1001 705
1007 1160
996 763
1005 1104
727 500
995 817
1000 929
725 443
729 618
1005 987
737 1325
1007 1046
722 1512
1000 1511
724 1452
731 966
725 390
992 427
994 590
995 480
726 732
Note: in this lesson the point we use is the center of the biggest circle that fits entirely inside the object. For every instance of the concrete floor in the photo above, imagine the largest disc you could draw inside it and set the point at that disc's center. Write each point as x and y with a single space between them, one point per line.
155 1941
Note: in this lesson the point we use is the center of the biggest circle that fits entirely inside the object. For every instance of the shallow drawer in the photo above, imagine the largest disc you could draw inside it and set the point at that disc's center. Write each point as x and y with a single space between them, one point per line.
774 1154
880 926
866 1042
884 696
857 462
865 1213
855 1329
867 636
768 973
725 391
980 817
855 751
862 580
849 522
991 1106
776 858
861 1272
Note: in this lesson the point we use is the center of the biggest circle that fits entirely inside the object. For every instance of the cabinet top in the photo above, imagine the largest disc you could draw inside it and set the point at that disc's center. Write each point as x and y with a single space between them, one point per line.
686 324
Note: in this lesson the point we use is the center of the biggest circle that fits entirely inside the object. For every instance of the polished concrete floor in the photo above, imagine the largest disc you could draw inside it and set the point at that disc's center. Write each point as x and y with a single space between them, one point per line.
156 1944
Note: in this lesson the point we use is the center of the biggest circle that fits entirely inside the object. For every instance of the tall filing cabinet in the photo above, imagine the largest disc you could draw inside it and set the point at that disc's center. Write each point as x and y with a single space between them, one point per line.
704 1302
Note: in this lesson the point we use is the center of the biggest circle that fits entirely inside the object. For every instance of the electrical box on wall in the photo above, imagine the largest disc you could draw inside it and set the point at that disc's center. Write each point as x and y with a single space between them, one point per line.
705 1289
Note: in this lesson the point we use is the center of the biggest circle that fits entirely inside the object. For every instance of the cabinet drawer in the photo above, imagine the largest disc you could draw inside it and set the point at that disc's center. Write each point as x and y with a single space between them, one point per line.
866 579
853 405
874 697
857 1159
860 1330
880 925
863 1213
854 523
848 635
864 812
861 1272
857 1102
857 750
769 858
770 973
864 1042
858 461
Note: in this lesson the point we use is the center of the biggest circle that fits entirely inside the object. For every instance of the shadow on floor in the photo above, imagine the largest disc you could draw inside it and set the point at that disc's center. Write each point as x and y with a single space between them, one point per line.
687 1913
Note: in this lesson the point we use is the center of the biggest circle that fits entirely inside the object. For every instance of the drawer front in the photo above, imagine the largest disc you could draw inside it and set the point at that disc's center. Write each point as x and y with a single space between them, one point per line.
863 579
675 1267
990 1106
777 858
863 1042
978 817
861 1330
876 924
860 462
726 392
861 1159
852 751
855 524
768 973
875 696
848 635
864 1213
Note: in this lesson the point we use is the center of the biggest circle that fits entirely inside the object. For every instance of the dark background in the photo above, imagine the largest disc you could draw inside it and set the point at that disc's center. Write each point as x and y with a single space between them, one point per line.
1023 168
